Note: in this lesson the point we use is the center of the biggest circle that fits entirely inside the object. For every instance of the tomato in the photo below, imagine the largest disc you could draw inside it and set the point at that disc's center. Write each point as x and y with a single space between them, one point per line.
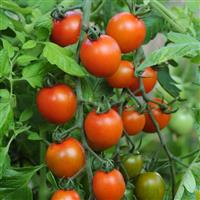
57 104
65 195
100 57
182 122
123 77
65 159
161 117
66 31
133 121
103 130
149 79
108 185
150 185
128 30
133 164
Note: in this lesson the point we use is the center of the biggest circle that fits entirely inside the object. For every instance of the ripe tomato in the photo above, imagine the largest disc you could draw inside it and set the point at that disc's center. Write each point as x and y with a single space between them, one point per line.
123 77
110 185
182 122
65 159
149 79
100 57
133 164
128 30
65 195
161 117
150 185
133 121
103 130
66 31
57 104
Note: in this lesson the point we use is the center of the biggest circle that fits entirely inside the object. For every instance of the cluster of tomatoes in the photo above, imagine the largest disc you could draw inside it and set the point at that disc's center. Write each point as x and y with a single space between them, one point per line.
58 104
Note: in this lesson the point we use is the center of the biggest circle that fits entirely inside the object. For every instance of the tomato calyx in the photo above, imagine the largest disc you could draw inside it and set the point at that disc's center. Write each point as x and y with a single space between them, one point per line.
93 33
104 105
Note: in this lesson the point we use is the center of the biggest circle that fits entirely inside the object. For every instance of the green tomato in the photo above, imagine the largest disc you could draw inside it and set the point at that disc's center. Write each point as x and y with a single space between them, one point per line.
181 122
150 186
133 164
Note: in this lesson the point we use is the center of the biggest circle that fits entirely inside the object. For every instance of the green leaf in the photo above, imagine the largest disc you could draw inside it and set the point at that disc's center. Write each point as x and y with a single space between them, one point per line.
59 56
179 193
6 113
25 59
29 44
51 179
193 5
10 49
26 115
4 63
35 73
189 181
16 179
181 38
34 136
5 21
167 82
172 51
4 159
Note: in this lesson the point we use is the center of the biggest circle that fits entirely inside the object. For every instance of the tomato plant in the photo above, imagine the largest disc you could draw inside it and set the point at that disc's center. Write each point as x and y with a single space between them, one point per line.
61 194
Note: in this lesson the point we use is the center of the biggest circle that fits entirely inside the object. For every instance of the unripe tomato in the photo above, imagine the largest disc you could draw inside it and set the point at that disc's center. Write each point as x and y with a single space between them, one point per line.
161 117
123 77
65 195
133 121
103 130
128 30
181 122
57 104
100 57
150 185
65 159
66 31
108 186
133 164
149 79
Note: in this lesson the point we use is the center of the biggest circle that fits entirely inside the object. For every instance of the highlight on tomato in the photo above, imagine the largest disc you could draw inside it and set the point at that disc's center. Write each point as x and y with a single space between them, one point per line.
65 159
108 185
133 121
128 30
65 195
66 31
57 104
103 130
100 57
123 77
161 117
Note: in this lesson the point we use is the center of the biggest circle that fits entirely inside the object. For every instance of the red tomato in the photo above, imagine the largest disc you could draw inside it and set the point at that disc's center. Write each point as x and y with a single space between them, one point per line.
103 130
66 31
133 121
57 104
123 77
128 30
108 186
149 79
65 159
65 195
100 57
161 117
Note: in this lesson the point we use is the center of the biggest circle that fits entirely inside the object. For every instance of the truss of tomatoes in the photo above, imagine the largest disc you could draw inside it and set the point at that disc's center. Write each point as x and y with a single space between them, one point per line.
58 104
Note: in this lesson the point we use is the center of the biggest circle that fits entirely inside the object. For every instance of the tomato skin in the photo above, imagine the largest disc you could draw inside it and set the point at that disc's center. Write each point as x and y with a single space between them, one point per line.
57 104
150 185
133 121
67 30
65 159
123 77
161 117
65 195
103 130
110 185
133 165
128 30
100 57
149 79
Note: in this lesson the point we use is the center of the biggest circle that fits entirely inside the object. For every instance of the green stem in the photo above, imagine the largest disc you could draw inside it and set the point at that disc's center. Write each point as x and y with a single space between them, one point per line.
98 8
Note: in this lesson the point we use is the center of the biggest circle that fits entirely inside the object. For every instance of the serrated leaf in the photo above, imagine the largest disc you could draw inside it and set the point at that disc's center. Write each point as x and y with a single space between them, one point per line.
59 57
167 82
189 181
25 59
26 115
4 63
29 44
34 136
